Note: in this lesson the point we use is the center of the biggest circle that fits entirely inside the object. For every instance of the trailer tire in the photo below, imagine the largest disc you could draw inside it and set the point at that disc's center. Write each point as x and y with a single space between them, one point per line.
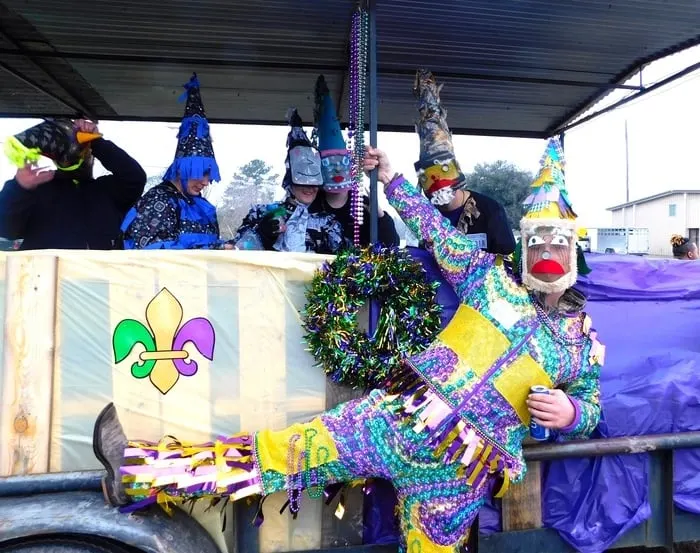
63 544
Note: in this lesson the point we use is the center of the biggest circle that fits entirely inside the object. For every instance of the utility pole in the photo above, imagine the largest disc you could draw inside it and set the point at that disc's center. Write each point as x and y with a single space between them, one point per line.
627 186
627 166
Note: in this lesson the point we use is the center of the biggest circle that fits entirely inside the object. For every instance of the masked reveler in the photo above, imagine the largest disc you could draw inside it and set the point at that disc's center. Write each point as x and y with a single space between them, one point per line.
445 431
291 225
174 215
337 181
442 180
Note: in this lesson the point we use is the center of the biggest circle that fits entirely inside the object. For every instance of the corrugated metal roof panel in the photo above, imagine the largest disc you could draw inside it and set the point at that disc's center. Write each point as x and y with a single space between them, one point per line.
513 67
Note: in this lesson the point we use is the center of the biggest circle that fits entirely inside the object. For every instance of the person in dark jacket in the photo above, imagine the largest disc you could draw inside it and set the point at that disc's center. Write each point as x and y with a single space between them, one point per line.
480 217
174 215
337 182
67 208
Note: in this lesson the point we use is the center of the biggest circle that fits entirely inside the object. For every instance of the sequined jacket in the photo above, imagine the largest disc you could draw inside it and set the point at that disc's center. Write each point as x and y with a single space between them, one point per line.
308 232
165 218
468 389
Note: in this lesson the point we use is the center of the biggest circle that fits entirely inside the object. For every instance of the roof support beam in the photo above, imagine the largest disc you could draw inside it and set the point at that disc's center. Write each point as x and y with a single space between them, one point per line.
19 50
382 70
472 131
36 86
631 98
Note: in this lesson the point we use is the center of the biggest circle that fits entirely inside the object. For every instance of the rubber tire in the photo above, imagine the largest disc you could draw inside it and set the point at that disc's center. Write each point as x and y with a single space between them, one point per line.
62 544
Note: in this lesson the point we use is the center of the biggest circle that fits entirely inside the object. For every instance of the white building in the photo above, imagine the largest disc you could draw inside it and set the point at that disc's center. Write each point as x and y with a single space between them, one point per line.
672 212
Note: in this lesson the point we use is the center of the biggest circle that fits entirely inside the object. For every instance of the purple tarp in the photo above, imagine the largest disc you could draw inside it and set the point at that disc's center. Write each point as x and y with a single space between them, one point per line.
647 313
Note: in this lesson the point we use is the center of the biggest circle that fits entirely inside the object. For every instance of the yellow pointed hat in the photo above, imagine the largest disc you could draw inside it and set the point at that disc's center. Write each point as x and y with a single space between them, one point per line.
548 197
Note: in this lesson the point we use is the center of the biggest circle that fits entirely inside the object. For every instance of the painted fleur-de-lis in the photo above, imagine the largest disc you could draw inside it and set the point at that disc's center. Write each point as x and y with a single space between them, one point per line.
164 340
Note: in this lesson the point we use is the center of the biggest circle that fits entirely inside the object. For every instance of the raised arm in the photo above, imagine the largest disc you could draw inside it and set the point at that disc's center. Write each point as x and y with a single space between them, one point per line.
455 254
127 180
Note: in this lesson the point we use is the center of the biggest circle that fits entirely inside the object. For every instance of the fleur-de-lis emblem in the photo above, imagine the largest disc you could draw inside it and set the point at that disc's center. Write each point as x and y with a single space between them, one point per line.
165 357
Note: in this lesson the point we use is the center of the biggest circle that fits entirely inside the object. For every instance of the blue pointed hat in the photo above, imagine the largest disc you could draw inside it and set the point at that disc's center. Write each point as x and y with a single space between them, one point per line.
335 157
330 137
194 156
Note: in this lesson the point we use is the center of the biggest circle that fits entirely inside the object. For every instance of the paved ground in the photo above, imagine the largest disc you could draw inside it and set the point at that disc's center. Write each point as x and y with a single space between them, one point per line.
690 547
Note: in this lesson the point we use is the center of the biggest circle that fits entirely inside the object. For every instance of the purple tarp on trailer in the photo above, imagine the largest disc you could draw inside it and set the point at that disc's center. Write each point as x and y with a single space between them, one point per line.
647 313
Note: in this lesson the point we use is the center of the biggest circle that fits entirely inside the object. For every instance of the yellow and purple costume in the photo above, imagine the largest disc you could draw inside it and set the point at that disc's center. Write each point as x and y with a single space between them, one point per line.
444 431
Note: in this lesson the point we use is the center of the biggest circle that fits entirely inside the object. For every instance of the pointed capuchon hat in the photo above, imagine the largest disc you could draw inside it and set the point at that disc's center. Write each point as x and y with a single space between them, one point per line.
335 157
194 156
548 207
56 139
548 198
439 173
303 163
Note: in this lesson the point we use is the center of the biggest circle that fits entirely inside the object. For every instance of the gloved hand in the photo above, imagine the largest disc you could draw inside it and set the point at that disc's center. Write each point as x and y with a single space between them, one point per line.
269 229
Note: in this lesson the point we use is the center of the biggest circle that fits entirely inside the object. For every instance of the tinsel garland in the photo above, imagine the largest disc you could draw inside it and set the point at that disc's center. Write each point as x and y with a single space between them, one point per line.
408 321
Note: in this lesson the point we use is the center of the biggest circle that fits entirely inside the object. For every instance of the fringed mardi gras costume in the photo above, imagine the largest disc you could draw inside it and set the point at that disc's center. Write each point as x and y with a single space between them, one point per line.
369 437
445 429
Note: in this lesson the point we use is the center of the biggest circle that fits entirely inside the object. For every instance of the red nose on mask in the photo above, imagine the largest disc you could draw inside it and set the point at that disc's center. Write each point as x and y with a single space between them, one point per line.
548 266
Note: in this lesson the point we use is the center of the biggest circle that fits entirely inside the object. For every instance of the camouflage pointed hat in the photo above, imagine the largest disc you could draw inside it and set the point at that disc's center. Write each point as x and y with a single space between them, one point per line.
439 173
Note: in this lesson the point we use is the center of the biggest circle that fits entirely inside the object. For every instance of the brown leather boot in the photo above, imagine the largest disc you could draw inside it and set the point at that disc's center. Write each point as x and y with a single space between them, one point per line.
109 443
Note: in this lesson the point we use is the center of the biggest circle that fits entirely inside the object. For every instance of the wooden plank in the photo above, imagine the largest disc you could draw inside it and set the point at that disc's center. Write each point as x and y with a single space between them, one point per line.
29 354
521 507
263 372
348 530
56 437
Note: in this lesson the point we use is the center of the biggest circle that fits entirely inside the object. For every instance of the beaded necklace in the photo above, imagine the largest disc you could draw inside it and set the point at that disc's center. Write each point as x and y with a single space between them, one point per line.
546 320
359 40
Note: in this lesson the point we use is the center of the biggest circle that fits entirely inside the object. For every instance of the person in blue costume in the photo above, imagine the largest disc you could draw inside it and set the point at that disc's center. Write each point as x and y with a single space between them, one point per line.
337 181
290 225
174 215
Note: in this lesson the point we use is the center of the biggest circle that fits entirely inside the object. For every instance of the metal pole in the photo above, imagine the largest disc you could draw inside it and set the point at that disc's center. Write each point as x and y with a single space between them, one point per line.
668 487
623 445
372 96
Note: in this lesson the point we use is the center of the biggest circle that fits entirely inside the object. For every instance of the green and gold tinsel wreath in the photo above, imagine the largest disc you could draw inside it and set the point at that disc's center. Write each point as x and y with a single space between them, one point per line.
409 318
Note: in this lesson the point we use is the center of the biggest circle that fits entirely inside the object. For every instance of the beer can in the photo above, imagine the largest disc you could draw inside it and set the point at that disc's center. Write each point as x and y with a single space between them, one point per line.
537 431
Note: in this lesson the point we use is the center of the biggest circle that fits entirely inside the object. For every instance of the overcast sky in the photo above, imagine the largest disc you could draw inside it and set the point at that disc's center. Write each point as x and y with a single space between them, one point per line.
663 131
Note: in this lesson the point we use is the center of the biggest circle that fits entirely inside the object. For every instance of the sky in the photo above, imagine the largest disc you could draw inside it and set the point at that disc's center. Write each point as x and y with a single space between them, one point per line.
662 138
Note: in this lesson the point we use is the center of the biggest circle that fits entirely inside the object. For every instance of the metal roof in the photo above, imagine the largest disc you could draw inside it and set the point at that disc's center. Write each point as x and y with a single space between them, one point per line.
512 67
652 198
